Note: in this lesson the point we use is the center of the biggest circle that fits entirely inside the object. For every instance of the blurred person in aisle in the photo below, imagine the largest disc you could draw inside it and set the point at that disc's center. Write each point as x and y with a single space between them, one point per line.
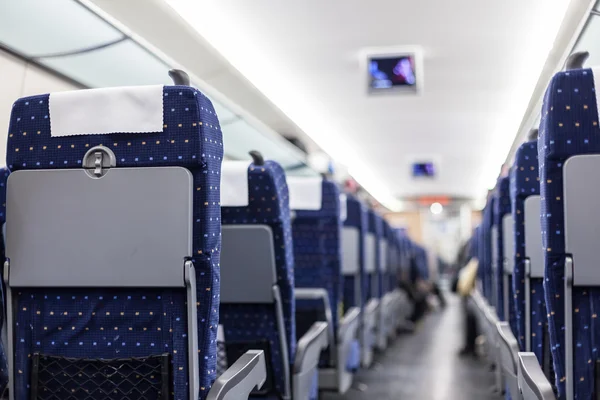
464 283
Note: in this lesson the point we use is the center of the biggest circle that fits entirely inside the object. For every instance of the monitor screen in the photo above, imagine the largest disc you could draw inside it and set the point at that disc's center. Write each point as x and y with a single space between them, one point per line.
392 72
423 169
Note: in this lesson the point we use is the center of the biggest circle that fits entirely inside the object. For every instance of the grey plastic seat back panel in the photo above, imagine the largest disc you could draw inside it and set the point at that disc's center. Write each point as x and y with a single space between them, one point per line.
533 236
370 249
247 264
532 381
83 237
581 217
508 240
350 250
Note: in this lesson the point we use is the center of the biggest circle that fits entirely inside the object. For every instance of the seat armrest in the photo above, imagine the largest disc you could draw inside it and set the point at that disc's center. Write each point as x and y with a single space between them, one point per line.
508 350
323 296
372 306
310 346
532 382
349 321
306 362
248 373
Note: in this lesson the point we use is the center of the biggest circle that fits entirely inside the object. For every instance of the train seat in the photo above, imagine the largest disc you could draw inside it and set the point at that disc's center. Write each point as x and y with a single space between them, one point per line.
353 270
569 154
122 273
501 209
258 300
370 288
317 234
530 307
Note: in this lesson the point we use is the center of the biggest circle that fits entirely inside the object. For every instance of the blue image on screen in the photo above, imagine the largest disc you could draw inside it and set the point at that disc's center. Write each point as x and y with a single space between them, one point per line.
423 170
391 72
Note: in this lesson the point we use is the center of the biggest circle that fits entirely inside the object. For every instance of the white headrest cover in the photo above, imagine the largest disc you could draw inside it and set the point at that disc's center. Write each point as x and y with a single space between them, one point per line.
306 193
134 109
234 183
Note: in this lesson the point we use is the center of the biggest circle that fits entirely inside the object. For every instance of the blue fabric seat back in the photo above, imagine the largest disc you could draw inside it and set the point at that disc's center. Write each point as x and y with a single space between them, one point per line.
317 256
405 255
3 361
569 127
353 290
525 182
502 207
268 204
110 323
485 261
390 258
372 288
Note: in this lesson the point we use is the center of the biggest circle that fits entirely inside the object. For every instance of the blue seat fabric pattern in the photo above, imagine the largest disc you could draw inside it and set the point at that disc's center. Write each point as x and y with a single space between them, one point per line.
268 204
356 218
524 182
110 323
372 287
317 256
486 243
3 361
569 127
502 207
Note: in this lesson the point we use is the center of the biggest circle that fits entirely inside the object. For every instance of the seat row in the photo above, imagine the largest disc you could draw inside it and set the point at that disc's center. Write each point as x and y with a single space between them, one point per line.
537 247
139 264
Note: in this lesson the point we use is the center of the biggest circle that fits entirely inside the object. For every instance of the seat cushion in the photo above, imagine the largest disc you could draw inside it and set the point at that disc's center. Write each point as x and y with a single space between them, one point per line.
191 138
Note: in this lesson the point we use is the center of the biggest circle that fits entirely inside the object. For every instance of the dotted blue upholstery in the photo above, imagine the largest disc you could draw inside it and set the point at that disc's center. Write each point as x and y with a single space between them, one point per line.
569 126
268 204
76 323
485 260
525 182
419 269
3 362
390 267
356 218
403 254
317 255
372 288
501 208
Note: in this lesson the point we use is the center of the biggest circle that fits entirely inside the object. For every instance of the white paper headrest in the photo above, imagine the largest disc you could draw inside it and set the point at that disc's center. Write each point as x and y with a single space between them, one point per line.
133 109
306 193
234 183
343 207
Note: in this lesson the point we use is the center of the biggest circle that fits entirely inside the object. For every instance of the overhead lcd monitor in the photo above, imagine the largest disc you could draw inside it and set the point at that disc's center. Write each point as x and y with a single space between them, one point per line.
394 72
423 170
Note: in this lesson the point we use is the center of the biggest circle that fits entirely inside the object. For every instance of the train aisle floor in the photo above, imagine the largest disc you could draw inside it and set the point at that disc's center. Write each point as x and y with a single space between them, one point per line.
425 365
